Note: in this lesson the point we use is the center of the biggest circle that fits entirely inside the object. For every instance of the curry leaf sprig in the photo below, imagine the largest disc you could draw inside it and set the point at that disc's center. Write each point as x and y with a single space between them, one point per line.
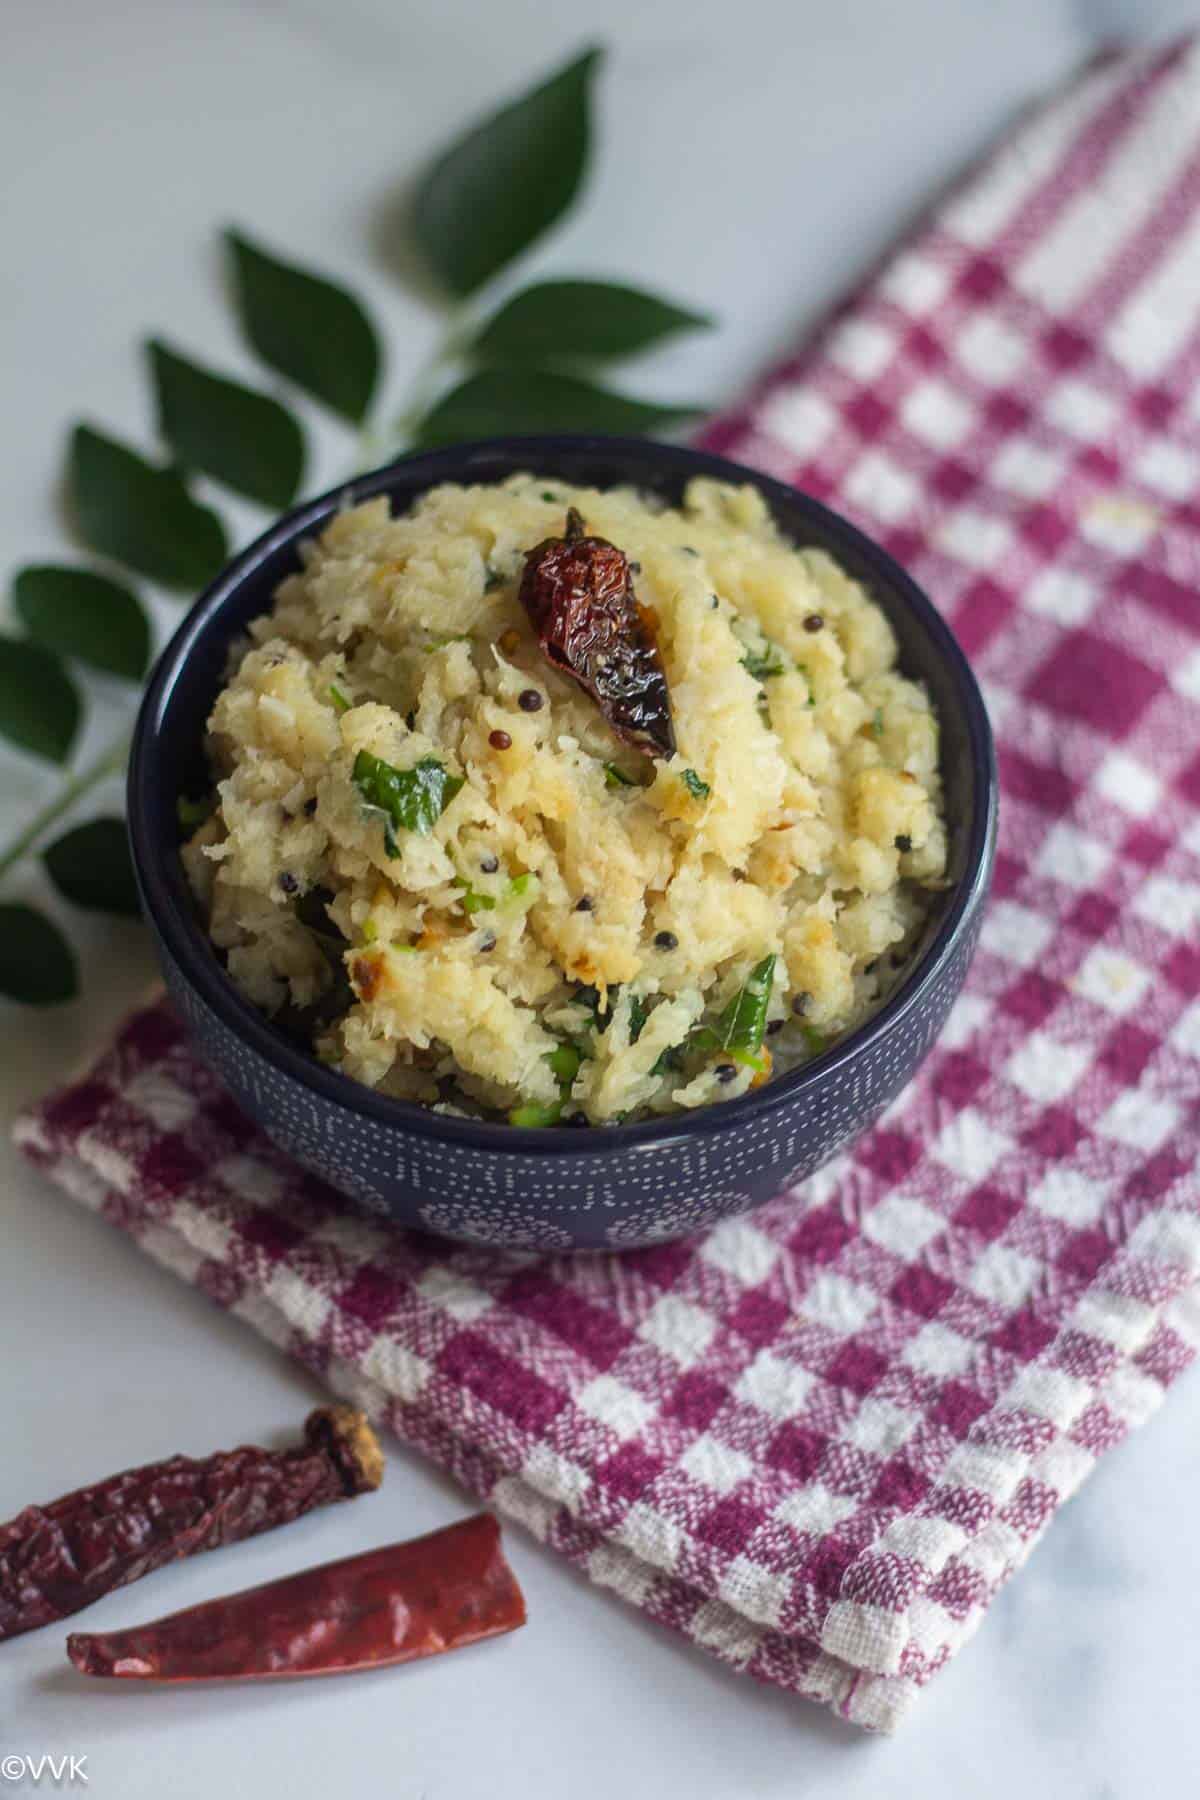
518 361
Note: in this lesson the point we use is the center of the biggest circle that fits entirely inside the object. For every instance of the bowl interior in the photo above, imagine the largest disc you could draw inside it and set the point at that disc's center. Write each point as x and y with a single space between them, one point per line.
169 758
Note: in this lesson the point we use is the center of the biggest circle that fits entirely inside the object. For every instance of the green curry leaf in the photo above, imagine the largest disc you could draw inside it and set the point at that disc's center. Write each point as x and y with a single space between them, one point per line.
141 515
76 612
743 1024
499 401
39 704
504 183
308 328
245 439
92 867
581 319
37 965
741 1027
409 799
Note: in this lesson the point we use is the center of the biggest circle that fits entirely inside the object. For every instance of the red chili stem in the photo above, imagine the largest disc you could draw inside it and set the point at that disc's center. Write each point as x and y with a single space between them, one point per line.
57 1559
386 1606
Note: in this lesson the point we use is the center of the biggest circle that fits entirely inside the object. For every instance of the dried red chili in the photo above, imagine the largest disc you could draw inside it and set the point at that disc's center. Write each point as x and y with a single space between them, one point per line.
390 1605
57 1559
579 595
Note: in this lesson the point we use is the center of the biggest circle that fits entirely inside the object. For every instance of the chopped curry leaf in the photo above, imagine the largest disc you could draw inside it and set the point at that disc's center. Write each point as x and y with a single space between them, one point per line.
409 799
694 785
764 663
617 778
337 699
740 1029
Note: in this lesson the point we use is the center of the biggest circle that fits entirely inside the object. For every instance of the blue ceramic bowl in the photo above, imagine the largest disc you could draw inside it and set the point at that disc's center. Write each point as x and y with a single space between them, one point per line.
613 1187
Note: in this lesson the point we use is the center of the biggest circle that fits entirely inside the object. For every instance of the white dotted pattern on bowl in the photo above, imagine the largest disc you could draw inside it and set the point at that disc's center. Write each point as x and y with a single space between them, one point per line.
646 1194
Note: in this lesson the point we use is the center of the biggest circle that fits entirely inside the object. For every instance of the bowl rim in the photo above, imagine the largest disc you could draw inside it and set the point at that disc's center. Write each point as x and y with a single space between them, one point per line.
191 951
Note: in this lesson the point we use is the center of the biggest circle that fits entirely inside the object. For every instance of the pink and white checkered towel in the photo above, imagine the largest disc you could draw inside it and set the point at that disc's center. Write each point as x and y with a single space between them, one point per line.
817 1440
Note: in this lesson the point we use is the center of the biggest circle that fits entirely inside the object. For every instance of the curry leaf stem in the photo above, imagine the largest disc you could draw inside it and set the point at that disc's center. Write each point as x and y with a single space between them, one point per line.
109 762
454 341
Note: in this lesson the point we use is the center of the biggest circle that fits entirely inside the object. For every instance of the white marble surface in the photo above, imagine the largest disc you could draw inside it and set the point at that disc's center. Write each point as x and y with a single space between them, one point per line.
753 167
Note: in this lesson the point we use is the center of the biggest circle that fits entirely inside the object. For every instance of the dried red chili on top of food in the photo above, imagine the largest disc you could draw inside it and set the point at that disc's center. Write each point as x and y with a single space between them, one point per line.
579 595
